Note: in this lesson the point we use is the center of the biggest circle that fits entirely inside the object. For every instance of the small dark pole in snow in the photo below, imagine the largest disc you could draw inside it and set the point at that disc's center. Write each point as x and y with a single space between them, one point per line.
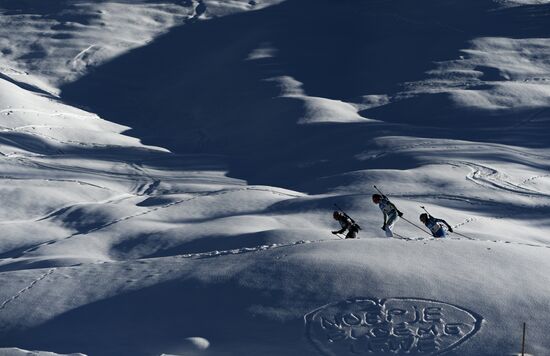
523 342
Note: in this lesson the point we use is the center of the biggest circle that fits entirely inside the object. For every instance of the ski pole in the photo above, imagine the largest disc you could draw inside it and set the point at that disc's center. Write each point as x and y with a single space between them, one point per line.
523 342
401 237
379 191
413 224
337 207
459 234
340 237
427 212
383 195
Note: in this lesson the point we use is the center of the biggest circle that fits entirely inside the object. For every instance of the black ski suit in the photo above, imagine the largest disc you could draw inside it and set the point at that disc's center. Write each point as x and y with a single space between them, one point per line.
347 224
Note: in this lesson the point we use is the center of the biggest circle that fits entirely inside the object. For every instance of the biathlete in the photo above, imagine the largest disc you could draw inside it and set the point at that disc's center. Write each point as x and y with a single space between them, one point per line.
435 225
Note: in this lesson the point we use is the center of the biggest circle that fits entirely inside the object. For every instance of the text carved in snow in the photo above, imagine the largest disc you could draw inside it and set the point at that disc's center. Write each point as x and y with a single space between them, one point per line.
390 327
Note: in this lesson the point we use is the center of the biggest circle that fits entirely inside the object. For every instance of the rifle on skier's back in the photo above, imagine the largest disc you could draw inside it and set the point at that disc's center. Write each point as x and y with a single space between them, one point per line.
347 216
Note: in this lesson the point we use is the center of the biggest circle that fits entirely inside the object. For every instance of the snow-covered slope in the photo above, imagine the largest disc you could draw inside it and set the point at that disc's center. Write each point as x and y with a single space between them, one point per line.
207 230
57 41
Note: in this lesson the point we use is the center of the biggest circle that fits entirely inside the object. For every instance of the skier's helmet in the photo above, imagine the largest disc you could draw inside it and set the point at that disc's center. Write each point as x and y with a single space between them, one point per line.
423 217
376 198
336 215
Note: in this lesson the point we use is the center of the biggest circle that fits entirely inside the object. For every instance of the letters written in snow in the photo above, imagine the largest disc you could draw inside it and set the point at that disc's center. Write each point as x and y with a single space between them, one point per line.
395 326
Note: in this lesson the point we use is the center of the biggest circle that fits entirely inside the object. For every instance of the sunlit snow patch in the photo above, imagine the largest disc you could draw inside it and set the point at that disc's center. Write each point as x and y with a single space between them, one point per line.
318 109
522 2
495 73
262 52
12 351
52 43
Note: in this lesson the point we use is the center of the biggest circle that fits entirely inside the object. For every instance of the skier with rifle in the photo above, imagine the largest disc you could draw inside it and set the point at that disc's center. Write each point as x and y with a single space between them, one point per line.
346 223
390 211
435 225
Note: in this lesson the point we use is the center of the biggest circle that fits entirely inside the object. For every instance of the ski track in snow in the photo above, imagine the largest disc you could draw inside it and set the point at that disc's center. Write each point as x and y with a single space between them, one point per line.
104 185
26 289
534 178
468 238
491 178
20 146
259 248
75 181
452 146
468 220
148 211
150 188
238 251
46 113
110 200
131 177
25 128
78 60
63 142
147 188
75 169
482 175
144 188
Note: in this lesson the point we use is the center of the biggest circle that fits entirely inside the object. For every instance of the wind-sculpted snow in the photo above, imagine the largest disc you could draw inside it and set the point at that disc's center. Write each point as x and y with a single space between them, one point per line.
496 73
208 230
316 110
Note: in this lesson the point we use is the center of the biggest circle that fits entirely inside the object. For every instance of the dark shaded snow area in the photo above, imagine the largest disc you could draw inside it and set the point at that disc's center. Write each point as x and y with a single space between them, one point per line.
168 172
283 82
